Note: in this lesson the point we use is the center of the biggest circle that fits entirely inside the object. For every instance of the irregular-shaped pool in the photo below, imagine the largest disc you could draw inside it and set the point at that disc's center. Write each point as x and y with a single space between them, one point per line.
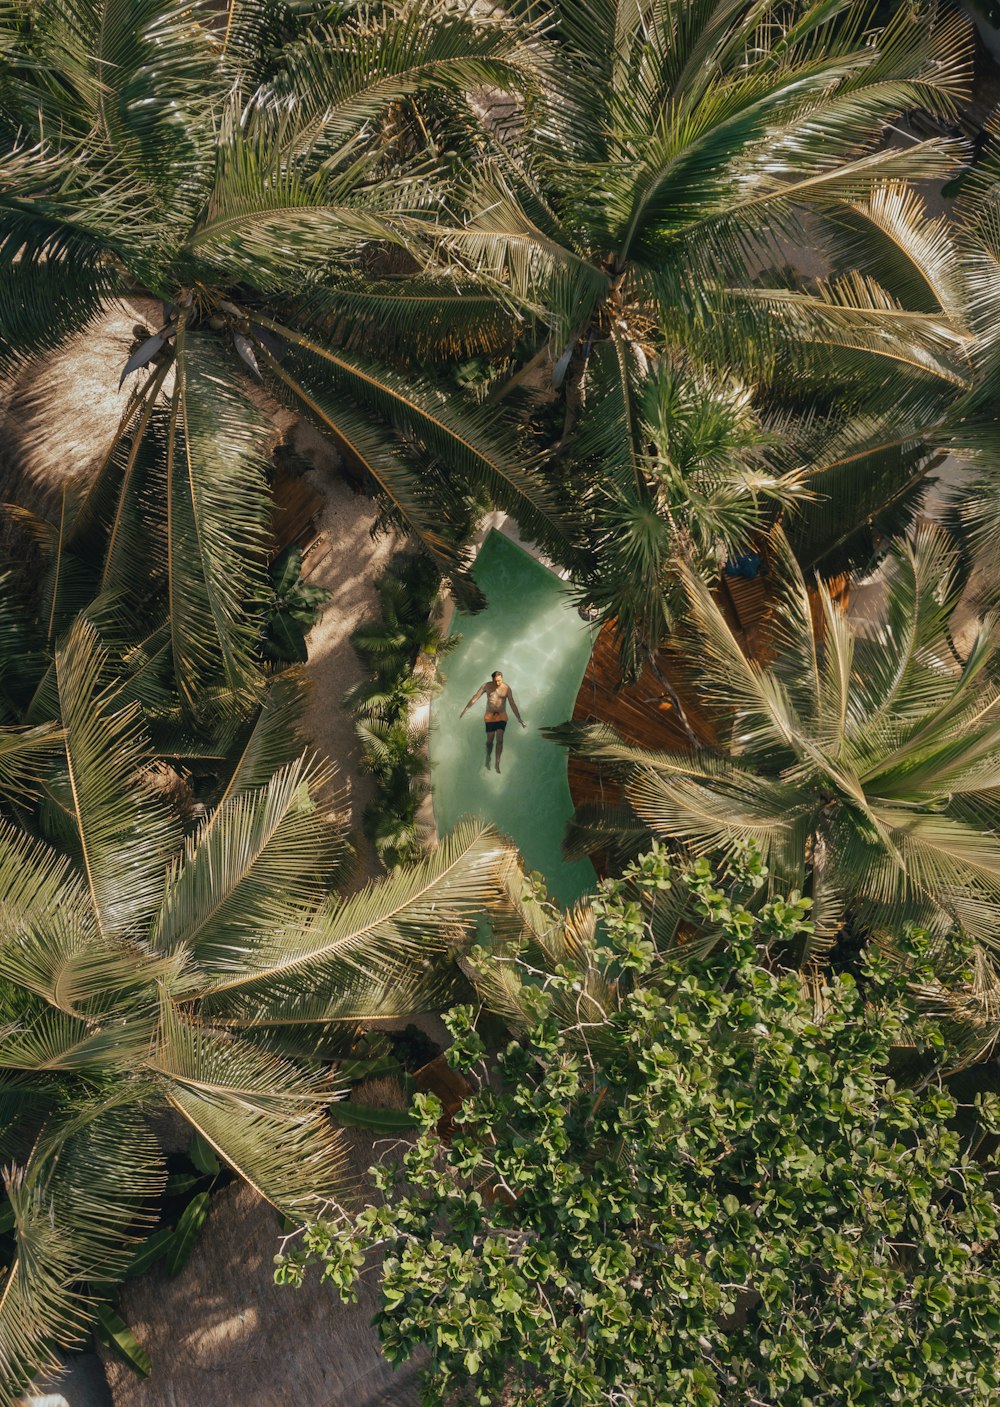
533 634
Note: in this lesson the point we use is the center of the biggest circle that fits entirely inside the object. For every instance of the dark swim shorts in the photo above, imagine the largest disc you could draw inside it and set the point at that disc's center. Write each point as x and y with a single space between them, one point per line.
496 722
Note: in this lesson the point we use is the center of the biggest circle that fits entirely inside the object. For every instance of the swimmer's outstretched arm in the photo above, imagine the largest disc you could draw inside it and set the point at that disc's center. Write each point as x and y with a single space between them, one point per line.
517 711
477 695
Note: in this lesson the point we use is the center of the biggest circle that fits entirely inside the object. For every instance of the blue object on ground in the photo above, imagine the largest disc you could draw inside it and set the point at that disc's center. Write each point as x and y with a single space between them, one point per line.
747 566
532 633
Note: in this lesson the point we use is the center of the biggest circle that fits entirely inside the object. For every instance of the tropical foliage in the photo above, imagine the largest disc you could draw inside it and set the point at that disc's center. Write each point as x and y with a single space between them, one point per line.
393 746
679 162
685 1183
214 974
263 221
293 610
653 276
860 756
615 193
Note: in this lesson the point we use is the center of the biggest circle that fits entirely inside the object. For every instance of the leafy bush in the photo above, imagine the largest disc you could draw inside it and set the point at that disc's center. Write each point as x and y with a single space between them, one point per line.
392 749
293 610
687 1182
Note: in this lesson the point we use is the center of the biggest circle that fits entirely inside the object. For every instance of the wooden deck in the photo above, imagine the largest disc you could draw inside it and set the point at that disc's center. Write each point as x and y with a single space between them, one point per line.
645 712
295 506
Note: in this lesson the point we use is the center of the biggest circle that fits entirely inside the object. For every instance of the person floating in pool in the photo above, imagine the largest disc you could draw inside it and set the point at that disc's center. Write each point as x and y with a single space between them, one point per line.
497 696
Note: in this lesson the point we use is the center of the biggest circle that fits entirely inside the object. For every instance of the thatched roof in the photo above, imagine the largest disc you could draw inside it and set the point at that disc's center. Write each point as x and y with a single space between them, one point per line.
222 1334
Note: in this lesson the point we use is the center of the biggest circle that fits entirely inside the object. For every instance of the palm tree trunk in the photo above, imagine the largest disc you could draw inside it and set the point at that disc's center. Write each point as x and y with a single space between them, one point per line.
520 376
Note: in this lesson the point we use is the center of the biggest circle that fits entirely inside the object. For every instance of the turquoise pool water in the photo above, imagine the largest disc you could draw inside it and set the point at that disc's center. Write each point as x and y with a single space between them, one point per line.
532 633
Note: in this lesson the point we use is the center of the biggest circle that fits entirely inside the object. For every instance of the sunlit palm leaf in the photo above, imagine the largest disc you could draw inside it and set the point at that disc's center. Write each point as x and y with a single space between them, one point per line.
124 837
372 951
259 866
79 1201
215 521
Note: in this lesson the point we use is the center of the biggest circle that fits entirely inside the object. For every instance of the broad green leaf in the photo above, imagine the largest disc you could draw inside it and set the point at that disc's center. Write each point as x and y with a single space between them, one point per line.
186 1233
115 1333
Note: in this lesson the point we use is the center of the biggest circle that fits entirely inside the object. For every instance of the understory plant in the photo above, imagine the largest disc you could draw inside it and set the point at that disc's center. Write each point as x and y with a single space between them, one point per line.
393 748
684 1181
292 610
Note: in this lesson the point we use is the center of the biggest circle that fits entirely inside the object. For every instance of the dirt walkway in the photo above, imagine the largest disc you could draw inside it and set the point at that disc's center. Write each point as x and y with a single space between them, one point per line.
347 563
222 1334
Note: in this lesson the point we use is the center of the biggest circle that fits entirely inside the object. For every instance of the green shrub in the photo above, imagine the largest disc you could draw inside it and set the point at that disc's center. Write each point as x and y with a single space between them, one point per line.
392 749
686 1182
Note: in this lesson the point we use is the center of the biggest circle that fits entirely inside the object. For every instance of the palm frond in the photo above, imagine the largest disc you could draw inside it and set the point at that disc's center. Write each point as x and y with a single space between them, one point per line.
24 753
274 739
471 443
342 78
123 835
428 505
259 865
53 280
79 1202
262 1114
372 953
214 523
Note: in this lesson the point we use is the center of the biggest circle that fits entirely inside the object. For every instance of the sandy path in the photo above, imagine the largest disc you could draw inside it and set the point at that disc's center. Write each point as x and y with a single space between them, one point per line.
222 1334
347 563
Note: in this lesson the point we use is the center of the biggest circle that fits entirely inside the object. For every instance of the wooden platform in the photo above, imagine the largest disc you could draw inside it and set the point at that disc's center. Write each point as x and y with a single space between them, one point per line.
646 712
295 506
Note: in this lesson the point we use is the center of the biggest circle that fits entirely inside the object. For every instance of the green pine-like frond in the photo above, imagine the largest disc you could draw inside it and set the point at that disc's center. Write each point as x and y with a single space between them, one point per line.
80 1201
121 833
214 523
260 864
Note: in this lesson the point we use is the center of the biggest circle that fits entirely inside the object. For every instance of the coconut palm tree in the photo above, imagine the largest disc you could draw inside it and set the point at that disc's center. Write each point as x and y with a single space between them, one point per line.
677 164
676 154
862 758
709 474
146 157
143 971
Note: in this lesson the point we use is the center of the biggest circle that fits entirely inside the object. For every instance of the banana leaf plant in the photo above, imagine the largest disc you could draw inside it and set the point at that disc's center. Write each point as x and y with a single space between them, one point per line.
293 610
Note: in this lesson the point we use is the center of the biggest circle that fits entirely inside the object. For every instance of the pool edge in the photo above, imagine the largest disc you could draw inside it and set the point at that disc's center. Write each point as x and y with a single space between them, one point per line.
422 714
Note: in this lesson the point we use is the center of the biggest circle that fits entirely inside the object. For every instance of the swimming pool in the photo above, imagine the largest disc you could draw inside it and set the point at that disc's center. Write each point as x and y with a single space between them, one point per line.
532 633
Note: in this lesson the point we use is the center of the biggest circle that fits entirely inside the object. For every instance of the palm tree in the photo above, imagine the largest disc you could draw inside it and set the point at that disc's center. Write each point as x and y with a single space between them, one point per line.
155 150
862 758
709 474
142 971
677 161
